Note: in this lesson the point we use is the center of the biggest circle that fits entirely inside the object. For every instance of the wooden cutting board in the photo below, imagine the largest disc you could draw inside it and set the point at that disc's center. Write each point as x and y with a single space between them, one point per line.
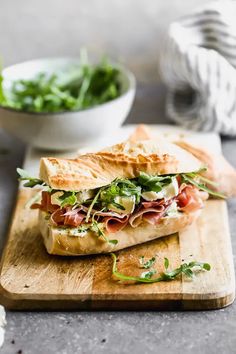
32 279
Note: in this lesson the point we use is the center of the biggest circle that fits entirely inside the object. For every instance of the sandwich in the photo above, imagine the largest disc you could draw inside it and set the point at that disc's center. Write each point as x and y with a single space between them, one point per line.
124 195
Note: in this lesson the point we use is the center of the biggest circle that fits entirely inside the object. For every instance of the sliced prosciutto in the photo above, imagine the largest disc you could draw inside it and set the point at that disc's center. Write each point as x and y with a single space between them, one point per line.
113 224
67 217
190 199
150 212
45 204
147 214
154 203
57 218
74 220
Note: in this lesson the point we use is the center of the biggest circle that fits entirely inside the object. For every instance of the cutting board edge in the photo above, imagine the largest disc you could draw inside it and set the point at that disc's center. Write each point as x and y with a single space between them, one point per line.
53 305
208 301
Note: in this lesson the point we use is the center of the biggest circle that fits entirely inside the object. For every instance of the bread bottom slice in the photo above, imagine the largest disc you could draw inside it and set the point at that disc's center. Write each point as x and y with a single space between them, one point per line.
67 241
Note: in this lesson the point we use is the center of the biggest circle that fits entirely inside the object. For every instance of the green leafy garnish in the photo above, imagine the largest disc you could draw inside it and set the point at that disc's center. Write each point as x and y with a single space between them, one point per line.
148 274
98 229
113 242
186 268
153 183
92 204
207 181
122 188
76 88
156 183
118 206
166 263
189 178
148 264
32 182
68 198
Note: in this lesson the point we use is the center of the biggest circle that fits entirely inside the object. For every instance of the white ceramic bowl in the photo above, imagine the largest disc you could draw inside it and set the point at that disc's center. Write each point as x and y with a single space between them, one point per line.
65 130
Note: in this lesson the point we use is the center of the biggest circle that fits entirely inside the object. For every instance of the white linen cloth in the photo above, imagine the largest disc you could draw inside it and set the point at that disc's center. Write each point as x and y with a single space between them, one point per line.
198 65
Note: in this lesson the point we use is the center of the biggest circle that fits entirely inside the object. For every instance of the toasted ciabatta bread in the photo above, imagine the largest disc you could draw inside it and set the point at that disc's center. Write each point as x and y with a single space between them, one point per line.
125 160
63 241
94 170
142 132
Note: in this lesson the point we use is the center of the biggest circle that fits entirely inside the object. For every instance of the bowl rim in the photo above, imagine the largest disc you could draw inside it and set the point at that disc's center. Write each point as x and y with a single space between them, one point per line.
124 70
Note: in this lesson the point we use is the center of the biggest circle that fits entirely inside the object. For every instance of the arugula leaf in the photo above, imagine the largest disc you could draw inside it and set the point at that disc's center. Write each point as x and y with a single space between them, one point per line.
205 266
113 242
148 264
207 181
120 187
117 205
148 274
76 88
153 183
68 198
187 178
186 268
166 263
32 182
92 204
23 173
97 228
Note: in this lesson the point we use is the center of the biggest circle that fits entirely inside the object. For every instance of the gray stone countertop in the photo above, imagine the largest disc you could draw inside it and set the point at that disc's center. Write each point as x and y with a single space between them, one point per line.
106 331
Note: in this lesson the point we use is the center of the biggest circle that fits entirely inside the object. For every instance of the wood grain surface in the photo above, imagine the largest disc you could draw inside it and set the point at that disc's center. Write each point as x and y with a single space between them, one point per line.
32 279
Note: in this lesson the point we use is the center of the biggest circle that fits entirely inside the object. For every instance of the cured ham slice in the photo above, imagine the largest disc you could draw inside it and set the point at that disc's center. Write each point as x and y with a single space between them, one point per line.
191 199
45 204
67 217
188 200
57 218
74 220
153 204
147 214
151 212
113 224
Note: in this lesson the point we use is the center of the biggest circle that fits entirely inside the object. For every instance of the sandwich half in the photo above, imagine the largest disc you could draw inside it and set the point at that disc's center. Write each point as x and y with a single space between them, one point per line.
119 197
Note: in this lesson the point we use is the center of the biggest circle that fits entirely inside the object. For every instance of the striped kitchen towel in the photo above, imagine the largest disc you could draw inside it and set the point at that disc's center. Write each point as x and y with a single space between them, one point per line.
198 65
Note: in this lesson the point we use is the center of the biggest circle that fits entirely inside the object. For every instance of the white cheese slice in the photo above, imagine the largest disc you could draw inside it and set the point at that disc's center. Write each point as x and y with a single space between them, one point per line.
82 196
169 191
150 196
127 202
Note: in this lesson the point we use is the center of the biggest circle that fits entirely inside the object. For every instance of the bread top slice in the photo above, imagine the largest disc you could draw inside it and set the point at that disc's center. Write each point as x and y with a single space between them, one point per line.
125 160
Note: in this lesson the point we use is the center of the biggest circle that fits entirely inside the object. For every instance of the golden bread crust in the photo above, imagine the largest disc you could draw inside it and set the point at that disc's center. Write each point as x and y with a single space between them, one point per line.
125 160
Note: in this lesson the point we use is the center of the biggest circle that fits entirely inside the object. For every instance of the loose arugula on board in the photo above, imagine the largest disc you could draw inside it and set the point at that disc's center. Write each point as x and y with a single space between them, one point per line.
188 269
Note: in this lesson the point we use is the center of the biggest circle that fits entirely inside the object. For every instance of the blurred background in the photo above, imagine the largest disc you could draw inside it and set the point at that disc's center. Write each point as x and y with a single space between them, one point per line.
130 30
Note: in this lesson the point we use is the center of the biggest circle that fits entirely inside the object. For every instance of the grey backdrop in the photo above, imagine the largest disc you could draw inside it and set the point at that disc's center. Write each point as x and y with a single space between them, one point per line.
130 30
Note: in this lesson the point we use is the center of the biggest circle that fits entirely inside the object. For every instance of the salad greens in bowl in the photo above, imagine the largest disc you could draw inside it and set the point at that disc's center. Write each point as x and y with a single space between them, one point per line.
64 103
